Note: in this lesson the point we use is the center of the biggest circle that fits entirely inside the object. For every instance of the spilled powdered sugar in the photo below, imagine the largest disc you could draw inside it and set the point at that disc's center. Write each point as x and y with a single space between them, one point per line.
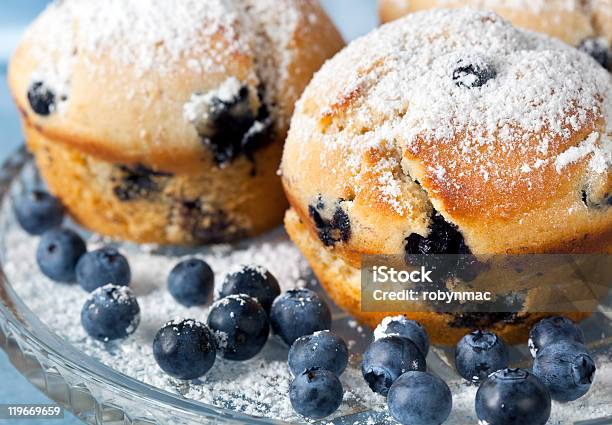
259 386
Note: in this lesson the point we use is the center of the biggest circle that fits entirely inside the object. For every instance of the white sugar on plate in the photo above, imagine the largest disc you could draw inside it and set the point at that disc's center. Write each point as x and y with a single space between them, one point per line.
257 387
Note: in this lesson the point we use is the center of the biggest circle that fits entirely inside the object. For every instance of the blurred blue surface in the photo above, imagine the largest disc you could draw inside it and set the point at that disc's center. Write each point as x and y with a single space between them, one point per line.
354 18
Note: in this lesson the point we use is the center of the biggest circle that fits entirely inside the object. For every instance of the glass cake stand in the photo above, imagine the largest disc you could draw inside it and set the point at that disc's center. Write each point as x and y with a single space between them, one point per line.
99 395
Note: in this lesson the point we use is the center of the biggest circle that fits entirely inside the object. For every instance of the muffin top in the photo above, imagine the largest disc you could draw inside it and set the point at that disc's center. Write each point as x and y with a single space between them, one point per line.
122 79
506 133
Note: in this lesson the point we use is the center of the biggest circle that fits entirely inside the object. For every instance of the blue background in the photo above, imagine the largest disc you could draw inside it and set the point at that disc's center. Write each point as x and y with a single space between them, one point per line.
354 18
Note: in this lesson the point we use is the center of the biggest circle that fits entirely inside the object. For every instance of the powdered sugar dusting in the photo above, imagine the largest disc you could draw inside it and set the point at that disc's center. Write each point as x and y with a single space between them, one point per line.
393 91
166 37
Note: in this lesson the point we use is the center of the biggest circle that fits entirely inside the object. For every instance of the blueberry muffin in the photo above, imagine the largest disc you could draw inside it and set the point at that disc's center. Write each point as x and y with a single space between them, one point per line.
584 24
163 121
449 131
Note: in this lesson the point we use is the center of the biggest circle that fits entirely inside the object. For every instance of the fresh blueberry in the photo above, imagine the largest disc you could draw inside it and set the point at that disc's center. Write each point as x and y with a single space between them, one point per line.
185 349
566 368
316 393
598 49
322 350
37 211
241 326
191 282
400 326
419 398
473 73
297 313
513 397
386 359
111 312
97 268
254 281
41 98
551 330
479 354
58 252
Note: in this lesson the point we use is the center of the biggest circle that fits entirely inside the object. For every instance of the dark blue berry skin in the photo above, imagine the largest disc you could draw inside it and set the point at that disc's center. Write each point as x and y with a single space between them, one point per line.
322 350
253 281
241 324
566 368
58 252
316 393
191 282
386 359
419 398
38 211
102 266
513 397
41 98
550 330
110 313
474 73
479 354
598 49
407 328
185 350
297 313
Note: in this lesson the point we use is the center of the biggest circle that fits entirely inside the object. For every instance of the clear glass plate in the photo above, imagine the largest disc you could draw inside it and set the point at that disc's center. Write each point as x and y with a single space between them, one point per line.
99 395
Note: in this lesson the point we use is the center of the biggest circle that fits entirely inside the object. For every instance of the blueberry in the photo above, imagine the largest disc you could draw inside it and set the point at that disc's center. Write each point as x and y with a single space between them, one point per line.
316 393
138 182
185 349
322 350
58 252
386 359
111 312
97 268
566 368
232 127
598 49
191 282
473 73
241 326
297 313
41 98
406 328
37 211
254 281
337 229
432 251
513 397
443 238
419 398
479 354
553 329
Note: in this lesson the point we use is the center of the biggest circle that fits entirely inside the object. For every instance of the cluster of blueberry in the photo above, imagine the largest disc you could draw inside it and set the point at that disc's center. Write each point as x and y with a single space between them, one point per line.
562 370
238 324
251 304
394 365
